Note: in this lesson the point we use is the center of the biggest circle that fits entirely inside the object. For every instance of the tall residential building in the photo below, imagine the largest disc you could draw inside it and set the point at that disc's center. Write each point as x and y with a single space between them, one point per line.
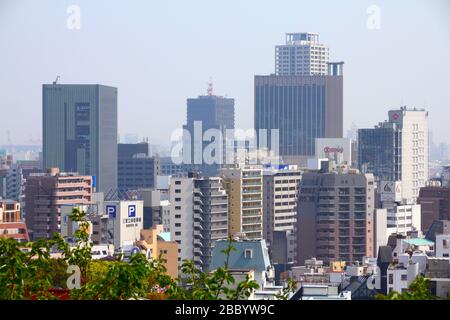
14 183
135 168
435 203
80 131
302 55
335 216
397 150
280 189
11 223
243 184
301 108
46 193
203 113
198 216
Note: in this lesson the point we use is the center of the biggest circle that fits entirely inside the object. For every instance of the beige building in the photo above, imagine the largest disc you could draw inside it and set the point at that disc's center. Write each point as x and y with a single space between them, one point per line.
243 184
157 242
46 193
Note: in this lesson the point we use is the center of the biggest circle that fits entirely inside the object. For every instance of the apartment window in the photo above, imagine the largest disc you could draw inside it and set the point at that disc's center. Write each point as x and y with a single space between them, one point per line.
177 199
177 191
248 253
177 208
445 244
178 233
178 182
391 278
178 216
404 277
177 224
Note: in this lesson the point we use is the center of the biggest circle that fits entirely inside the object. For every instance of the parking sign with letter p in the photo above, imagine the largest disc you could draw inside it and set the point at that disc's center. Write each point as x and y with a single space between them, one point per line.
131 211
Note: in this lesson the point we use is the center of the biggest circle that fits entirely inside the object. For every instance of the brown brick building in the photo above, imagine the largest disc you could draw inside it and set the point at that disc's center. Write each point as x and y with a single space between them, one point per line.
435 202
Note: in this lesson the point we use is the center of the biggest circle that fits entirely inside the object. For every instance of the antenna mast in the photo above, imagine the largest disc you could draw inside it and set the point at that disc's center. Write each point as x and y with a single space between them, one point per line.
209 91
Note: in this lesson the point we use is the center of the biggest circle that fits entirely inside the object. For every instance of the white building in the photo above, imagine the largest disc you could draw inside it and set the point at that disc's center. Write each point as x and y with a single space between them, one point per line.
442 247
125 222
198 216
338 150
413 126
301 55
280 189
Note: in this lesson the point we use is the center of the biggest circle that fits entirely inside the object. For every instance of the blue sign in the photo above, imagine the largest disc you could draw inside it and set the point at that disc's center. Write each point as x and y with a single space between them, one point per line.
111 211
131 211
94 181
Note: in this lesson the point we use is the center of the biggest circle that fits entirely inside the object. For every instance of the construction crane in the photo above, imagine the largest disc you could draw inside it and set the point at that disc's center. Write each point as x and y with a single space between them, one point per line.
56 81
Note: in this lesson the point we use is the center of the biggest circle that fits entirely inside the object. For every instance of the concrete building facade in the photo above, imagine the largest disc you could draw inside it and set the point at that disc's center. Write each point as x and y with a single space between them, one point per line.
280 199
46 193
198 216
244 186
335 216
80 131
302 54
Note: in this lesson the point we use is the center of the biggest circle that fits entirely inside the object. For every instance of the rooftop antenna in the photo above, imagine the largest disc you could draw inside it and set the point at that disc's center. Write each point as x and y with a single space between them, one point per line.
209 91
56 81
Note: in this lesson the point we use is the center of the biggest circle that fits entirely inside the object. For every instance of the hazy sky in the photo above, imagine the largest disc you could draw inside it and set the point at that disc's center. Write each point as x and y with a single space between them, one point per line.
159 53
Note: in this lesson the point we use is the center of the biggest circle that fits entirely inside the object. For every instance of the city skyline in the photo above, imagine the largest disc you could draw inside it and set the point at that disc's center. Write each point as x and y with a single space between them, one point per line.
146 85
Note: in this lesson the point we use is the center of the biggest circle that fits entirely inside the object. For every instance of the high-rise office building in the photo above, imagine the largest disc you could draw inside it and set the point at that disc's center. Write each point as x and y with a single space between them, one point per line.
135 168
303 100
281 185
301 108
243 184
397 150
198 216
335 216
46 193
302 55
203 113
80 131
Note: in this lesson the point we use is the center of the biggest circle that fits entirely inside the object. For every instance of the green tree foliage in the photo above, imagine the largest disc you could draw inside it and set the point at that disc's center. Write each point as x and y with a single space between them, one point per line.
418 290
28 272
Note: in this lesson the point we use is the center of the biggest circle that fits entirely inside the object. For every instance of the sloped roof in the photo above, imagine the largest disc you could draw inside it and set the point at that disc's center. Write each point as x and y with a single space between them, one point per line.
260 256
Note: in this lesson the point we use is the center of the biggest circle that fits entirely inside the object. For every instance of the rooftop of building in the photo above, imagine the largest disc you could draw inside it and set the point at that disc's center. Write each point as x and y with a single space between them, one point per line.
419 242
258 260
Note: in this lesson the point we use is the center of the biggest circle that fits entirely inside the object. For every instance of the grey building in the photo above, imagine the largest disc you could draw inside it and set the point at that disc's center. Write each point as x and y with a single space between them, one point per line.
80 131
198 216
210 112
302 108
335 216
136 170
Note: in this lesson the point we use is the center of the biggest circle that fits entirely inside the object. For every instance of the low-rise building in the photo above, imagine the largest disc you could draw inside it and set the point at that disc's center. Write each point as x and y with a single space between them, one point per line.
247 255
11 224
160 246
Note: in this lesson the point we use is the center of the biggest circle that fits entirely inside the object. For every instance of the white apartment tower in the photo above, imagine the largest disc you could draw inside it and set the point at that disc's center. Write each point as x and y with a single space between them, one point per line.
281 187
198 216
302 55
413 125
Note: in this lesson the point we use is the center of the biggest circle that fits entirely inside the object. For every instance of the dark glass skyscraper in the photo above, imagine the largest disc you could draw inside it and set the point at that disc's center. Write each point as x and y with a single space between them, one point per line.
302 108
379 152
80 131
213 112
